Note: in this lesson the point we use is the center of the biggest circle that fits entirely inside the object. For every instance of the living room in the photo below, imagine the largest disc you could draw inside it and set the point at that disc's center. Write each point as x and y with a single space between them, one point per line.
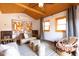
36 29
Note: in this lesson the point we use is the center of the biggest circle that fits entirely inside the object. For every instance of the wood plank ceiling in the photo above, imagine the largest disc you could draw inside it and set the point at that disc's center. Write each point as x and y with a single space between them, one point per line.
33 10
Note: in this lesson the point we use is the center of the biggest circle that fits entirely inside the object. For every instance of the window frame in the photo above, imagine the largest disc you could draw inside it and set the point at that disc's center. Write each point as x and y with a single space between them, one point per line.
56 25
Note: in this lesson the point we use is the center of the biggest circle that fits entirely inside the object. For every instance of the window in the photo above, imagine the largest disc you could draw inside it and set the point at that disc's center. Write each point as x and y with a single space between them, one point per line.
61 24
46 26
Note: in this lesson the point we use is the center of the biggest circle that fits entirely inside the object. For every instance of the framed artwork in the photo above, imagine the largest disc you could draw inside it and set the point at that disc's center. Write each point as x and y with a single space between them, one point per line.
21 26
17 25
28 26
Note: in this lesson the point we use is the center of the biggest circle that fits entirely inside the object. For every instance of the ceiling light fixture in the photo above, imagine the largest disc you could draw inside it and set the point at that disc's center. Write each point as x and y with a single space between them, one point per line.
41 4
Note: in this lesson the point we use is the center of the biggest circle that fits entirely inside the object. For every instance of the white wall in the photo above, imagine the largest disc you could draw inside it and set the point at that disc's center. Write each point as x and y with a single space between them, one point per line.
6 21
6 24
52 35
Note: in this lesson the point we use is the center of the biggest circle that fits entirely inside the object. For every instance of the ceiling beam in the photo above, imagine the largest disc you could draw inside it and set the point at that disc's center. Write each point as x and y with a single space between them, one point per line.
31 9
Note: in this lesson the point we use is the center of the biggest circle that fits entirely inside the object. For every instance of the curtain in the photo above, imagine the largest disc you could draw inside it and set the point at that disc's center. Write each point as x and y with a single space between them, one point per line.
71 21
41 29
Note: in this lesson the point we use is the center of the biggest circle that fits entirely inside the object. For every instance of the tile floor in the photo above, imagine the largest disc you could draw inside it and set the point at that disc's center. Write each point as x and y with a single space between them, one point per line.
26 51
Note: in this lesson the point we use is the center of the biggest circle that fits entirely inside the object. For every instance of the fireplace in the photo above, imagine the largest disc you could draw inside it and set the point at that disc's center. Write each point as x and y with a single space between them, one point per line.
35 33
6 34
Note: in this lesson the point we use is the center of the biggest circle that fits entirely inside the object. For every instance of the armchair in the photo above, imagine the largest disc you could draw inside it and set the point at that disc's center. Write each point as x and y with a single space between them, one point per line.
68 46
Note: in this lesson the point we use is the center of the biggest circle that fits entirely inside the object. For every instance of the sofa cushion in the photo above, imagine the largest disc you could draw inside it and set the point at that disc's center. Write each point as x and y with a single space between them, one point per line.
26 35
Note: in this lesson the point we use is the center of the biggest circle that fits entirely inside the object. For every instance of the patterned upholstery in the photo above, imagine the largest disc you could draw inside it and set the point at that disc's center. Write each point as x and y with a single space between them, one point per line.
67 45
72 40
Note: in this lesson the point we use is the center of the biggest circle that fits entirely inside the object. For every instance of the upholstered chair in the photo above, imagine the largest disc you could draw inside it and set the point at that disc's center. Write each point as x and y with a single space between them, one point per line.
67 45
72 40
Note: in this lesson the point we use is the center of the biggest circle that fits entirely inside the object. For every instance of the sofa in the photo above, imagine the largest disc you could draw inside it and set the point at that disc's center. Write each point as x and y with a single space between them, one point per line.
23 38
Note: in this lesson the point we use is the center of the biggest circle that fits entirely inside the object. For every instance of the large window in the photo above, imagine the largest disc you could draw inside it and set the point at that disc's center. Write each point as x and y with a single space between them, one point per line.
46 26
61 24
